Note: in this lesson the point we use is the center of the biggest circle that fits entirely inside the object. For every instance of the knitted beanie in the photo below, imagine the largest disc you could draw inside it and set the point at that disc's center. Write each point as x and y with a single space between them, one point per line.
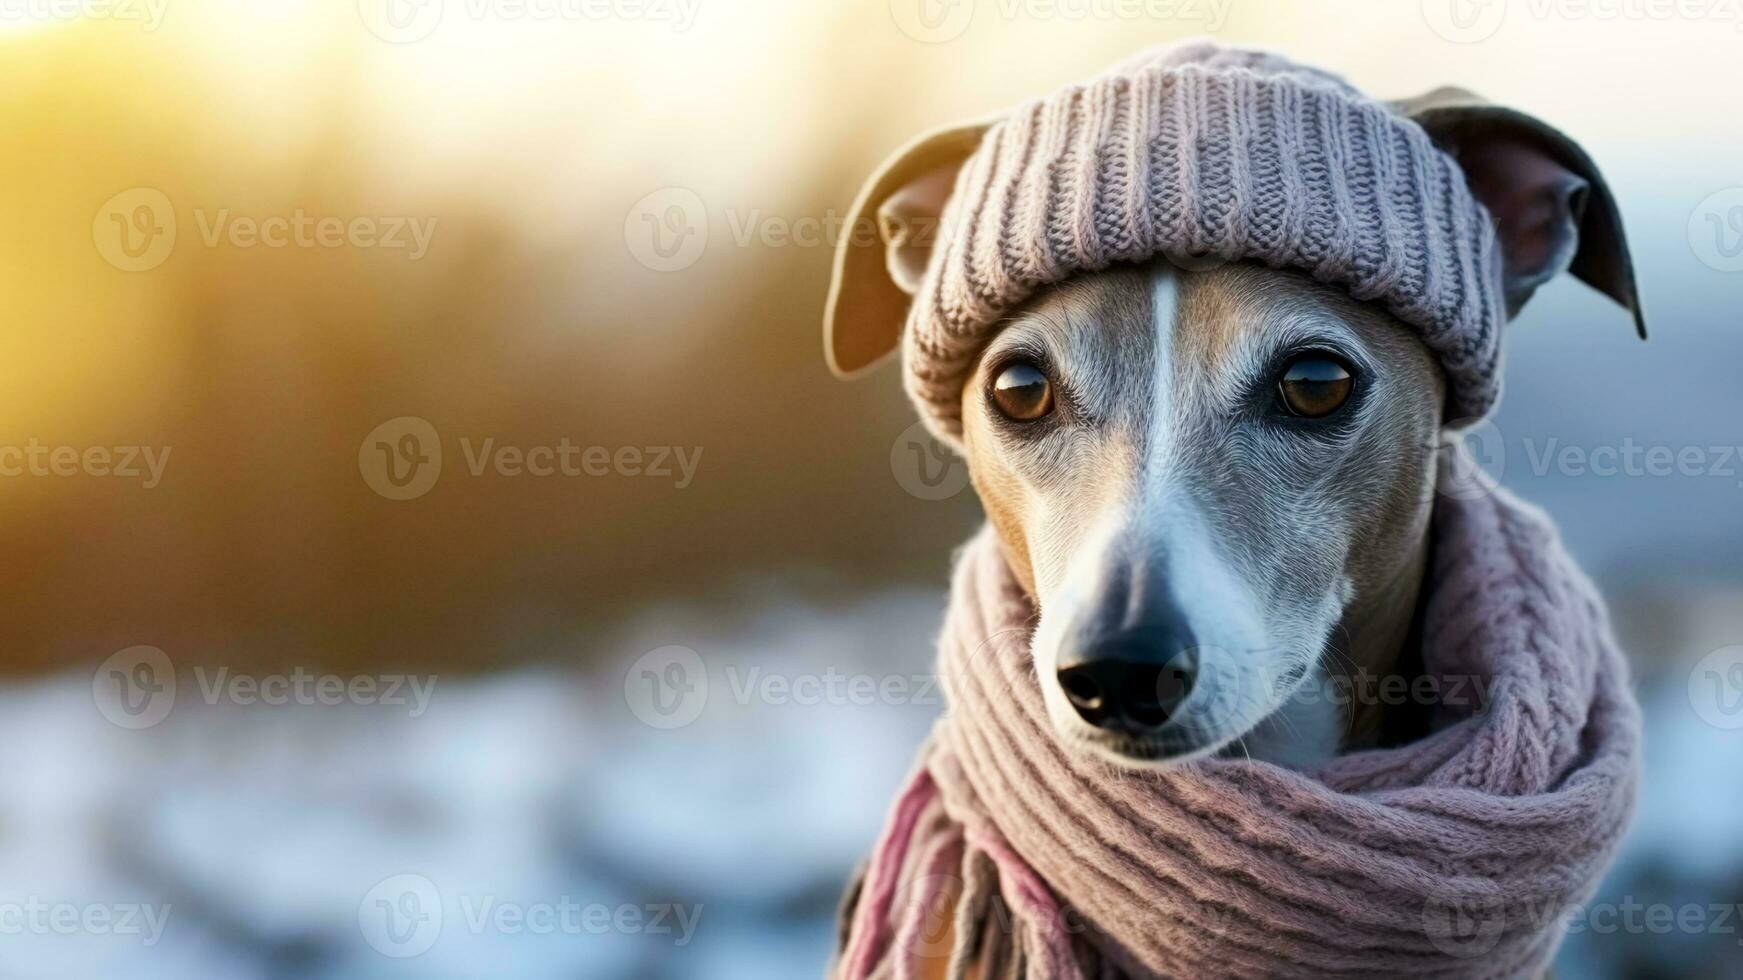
1209 153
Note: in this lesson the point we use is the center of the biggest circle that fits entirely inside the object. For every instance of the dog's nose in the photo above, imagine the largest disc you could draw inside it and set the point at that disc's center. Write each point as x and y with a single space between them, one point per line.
1132 683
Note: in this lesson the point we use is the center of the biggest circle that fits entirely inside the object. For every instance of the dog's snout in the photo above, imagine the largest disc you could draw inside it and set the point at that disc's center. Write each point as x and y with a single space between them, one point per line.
1128 659
1131 683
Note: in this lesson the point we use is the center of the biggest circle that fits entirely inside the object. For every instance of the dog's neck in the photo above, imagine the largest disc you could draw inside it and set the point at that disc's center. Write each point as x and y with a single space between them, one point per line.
1381 641
1360 695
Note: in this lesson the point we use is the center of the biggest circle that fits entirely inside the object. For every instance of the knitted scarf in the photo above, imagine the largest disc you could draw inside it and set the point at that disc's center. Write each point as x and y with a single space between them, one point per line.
1458 855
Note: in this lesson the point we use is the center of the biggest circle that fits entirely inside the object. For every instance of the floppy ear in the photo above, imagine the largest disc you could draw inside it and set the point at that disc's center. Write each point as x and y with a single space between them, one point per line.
1553 212
876 275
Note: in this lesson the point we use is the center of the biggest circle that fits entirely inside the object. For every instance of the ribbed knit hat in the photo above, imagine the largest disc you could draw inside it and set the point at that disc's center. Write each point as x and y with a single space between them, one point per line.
1212 153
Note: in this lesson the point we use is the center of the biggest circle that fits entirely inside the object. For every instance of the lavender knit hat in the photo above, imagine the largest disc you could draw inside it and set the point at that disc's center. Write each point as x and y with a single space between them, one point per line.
1210 153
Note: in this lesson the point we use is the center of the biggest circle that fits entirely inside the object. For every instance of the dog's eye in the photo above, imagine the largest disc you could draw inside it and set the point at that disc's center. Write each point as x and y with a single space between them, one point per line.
1315 386
1022 393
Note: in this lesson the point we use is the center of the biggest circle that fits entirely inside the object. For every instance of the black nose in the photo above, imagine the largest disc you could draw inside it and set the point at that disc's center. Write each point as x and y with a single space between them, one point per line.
1127 660
1130 684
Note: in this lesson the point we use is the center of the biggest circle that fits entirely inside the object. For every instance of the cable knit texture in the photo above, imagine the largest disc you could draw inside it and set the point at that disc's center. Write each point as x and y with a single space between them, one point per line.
1455 856
1204 153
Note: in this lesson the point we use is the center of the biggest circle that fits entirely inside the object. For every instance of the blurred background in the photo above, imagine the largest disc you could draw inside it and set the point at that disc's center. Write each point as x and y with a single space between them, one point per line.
437 549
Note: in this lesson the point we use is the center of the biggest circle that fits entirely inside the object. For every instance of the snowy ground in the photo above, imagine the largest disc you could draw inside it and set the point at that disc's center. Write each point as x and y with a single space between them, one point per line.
558 834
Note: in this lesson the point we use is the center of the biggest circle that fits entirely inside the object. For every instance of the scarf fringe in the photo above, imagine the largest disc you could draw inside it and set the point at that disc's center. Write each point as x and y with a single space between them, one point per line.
999 910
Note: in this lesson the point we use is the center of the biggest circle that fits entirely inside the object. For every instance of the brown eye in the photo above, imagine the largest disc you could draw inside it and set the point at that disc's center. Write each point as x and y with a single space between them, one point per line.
1022 393
1314 387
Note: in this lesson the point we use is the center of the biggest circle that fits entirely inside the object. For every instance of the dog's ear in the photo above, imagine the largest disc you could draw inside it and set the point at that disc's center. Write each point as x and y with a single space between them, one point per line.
1553 212
882 253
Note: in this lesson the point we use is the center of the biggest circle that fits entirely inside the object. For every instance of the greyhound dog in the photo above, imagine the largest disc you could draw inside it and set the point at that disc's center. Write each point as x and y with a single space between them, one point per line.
1216 480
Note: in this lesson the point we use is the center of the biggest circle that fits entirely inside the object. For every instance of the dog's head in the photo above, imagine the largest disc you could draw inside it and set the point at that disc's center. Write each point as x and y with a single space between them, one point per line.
1214 479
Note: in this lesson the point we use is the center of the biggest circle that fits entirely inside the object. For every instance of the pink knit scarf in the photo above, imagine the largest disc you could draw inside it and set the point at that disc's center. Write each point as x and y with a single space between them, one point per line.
1458 855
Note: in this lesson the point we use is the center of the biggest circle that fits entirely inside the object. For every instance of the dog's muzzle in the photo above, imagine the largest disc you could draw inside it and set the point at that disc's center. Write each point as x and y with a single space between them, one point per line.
1127 666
